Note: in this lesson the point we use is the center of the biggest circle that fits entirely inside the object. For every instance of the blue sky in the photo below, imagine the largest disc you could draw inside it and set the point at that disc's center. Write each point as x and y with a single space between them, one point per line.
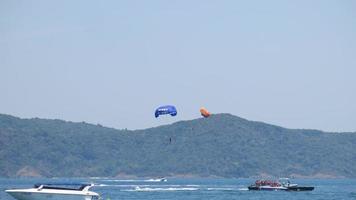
289 63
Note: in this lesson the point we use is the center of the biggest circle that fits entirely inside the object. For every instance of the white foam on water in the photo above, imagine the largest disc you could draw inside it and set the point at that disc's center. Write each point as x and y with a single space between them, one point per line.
148 189
106 185
101 185
123 180
98 177
135 180
155 180
223 189
192 185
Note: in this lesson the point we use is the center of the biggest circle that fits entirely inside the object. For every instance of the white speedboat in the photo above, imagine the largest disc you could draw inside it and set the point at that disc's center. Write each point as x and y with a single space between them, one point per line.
55 192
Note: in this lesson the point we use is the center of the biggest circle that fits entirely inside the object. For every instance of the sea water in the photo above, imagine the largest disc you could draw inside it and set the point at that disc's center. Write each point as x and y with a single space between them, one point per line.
193 189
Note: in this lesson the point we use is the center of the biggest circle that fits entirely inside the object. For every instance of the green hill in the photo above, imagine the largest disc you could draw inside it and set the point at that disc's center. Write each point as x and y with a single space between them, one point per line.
222 145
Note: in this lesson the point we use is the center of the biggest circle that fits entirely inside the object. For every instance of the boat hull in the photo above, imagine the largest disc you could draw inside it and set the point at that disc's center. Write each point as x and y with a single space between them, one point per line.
266 188
46 196
270 188
300 188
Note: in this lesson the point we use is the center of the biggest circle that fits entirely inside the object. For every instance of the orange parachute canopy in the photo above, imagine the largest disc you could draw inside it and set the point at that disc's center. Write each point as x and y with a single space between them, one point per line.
204 112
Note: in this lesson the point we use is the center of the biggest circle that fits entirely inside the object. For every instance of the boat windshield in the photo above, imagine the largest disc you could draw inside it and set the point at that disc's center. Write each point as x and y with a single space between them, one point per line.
61 186
284 181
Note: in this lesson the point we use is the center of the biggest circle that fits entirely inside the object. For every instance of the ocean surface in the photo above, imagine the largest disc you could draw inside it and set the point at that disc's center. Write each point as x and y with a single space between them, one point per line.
194 189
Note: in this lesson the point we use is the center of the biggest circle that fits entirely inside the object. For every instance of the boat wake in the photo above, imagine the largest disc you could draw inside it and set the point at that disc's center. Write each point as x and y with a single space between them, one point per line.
170 187
226 189
150 189
136 180
182 188
123 180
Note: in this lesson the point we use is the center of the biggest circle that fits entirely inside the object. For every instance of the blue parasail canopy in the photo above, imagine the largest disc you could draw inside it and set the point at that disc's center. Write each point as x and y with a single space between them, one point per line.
164 110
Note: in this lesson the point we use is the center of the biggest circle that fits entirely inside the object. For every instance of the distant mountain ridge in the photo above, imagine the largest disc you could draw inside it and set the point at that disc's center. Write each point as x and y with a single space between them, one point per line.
222 145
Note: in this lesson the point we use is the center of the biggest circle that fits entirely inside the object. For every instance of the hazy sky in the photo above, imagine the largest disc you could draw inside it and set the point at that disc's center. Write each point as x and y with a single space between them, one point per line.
289 63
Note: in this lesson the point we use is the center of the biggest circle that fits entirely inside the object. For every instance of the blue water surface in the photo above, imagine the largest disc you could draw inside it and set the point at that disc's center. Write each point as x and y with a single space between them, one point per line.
194 189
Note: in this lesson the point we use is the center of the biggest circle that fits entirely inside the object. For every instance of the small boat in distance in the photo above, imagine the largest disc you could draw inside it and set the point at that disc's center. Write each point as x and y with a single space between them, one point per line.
163 180
157 180
52 191
281 184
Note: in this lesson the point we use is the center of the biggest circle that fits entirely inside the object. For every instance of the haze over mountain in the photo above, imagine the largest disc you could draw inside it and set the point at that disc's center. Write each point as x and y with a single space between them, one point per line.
222 145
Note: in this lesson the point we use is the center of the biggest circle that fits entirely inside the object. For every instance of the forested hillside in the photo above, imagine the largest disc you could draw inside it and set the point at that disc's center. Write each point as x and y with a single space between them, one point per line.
222 145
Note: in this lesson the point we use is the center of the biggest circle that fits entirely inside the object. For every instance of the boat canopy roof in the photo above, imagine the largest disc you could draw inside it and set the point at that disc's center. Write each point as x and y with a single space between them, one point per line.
62 186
